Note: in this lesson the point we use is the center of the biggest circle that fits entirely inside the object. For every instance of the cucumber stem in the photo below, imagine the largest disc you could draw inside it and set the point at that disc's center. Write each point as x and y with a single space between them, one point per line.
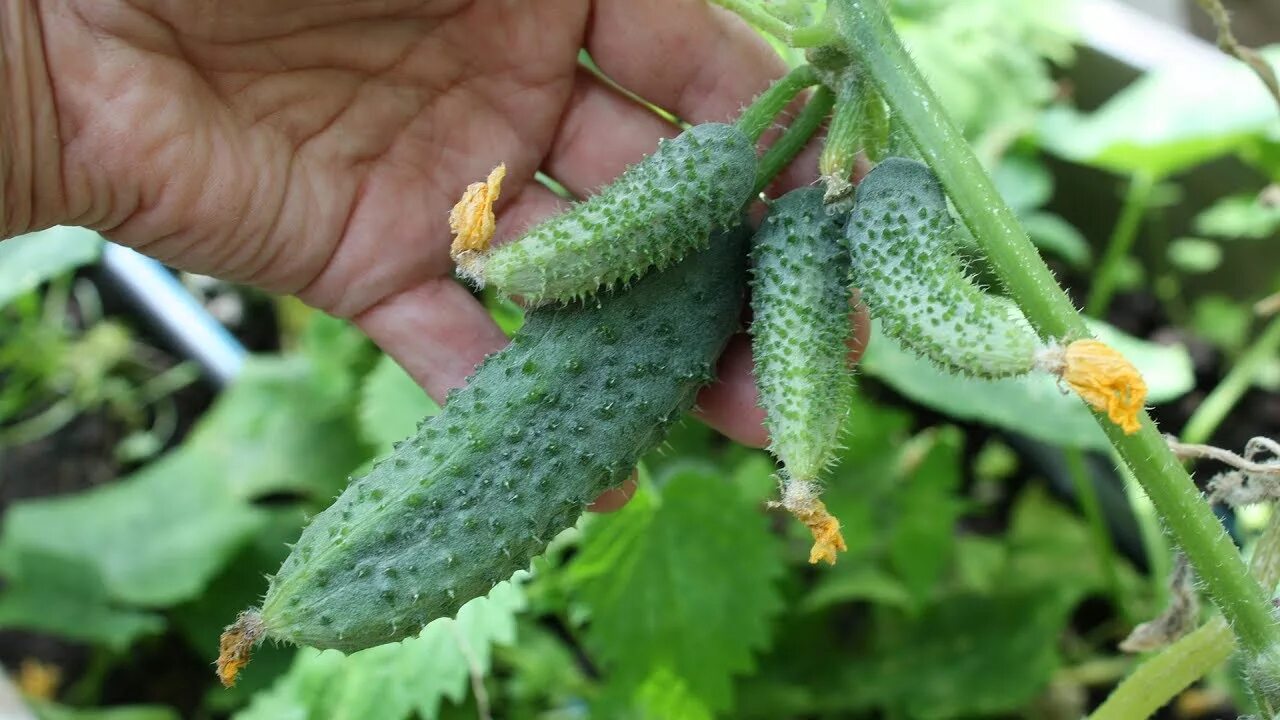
865 27
759 116
793 140
1136 200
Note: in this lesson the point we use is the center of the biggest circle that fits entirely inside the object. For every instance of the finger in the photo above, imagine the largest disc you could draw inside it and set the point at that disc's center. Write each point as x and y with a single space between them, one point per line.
731 404
698 61
435 329
601 133
612 500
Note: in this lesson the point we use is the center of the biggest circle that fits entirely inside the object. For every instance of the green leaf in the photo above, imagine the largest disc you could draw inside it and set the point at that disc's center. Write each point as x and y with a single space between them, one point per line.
922 537
27 261
285 426
155 538
1033 405
1194 256
1049 549
1221 321
52 711
1169 121
1024 183
391 405
684 580
861 582
1240 216
971 655
1054 235
665 696
57 595
395 681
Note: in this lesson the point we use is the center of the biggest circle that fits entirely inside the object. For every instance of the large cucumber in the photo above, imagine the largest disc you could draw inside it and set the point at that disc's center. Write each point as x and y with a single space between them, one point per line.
563 413
655 213
800 330
900 239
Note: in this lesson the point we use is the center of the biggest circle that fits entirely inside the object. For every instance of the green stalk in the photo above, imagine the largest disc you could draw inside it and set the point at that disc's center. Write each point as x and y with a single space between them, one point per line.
758 16
1160 679
782 152
865 27
1215 407
759 116
1121 242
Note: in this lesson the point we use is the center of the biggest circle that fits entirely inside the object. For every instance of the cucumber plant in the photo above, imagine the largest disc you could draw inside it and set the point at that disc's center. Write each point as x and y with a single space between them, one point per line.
585 388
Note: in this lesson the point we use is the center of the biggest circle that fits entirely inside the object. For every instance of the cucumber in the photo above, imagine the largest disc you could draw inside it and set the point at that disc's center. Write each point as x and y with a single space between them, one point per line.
542 427
650 217
900 241
800 330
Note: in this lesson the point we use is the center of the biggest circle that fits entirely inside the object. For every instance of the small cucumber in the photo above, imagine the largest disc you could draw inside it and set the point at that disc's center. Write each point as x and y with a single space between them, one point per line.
650 217
900 240
544 426
800 330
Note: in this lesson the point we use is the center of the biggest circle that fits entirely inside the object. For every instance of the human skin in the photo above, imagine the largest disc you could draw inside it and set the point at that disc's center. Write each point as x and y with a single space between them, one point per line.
315 147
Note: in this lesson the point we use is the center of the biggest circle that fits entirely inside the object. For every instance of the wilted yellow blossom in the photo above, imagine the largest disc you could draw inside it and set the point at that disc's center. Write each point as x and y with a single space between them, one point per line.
39 679
800 499
1102 377
235 647
472 220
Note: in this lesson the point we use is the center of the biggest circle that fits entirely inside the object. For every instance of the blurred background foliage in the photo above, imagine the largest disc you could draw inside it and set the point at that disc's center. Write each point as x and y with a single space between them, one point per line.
994 558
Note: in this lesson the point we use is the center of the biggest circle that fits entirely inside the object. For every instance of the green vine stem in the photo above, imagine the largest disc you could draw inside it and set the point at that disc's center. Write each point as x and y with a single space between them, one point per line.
782 152
1136 200
1215 407
759 116
1160 679
864 25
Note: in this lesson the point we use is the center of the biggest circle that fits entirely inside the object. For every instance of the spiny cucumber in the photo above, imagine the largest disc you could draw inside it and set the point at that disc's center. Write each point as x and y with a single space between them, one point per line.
900 239
542 427
650 217
800 330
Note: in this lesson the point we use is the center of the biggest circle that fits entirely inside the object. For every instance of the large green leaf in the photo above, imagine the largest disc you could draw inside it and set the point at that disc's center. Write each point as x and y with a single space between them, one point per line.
922 535
683 580
1034 406
1169 121
395 681
159 536
28 260
53 594
970 655
155 538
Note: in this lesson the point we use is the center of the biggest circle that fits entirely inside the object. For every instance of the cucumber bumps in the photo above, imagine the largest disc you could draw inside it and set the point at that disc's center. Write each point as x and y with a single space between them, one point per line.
900 240
800 332
655 213
543 426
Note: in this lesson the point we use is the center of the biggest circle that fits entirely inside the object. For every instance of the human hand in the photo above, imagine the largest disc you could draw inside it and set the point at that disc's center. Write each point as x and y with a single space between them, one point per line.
315 148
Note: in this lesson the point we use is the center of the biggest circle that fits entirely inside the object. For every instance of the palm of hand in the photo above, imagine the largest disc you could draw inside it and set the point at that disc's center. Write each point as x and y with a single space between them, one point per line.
316 148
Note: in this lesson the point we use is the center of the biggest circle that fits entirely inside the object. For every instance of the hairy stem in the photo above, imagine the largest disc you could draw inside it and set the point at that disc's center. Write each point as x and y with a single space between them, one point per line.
1136 200
1230 45
1218 404
793 140
864 24
753 13
760 115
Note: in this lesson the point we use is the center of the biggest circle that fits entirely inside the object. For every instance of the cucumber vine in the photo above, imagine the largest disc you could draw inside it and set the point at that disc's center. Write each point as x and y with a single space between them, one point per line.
596 377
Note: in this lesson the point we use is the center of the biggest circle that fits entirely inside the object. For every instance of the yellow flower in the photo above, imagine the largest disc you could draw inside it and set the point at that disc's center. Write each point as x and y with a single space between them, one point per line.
800 499
235 647
1102 377
39 679
471 220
